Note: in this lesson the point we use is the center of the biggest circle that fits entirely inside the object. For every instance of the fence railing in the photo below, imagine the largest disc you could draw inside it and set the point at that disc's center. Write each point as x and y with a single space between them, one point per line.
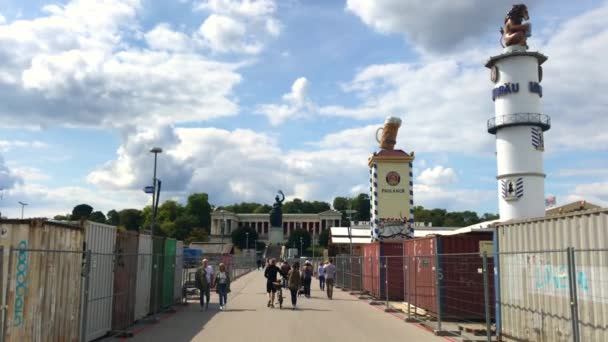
81 296
559 295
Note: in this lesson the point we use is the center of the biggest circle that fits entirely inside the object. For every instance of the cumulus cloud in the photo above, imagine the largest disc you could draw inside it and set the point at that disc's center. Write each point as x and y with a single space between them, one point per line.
162 37
225 34
438 175
69 68
295 103
596 193
441 26
238 26
8 179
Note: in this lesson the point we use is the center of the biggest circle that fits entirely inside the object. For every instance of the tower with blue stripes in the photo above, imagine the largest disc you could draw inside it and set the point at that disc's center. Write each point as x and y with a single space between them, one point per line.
391 188
519 125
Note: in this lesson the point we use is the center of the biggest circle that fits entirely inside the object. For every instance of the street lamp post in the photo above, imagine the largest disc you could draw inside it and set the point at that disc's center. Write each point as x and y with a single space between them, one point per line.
156 151
350 228
247 240
223 224
313 245
22 208
301 247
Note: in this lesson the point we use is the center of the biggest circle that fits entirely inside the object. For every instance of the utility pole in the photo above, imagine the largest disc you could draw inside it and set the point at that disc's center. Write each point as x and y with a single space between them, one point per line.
22 208
349 212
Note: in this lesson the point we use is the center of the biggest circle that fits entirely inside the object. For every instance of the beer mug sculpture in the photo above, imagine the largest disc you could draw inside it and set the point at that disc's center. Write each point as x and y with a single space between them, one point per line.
388 138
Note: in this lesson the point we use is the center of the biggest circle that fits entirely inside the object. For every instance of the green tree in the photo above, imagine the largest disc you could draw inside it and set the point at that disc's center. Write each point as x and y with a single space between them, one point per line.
65 217
262 209
199 207
184 226
81 211
294 239
324 238
239 237
341 203
293 207
113 217
166 229
196 235
362 205
489 217
97 216
130 219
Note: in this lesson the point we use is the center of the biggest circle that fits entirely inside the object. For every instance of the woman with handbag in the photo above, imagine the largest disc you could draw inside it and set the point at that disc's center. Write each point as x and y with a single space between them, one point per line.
222 285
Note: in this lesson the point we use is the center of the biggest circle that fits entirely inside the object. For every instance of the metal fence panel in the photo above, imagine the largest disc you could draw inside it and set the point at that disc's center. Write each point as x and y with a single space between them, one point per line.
43 295
101 241
125 280
535 302
179 266
168 283
144 277
591 277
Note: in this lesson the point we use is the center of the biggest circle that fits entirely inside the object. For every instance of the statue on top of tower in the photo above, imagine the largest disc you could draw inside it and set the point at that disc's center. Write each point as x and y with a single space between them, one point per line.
514 31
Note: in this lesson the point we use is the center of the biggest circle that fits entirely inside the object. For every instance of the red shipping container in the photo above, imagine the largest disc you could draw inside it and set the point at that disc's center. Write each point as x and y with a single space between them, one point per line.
125 277
380 259
461 283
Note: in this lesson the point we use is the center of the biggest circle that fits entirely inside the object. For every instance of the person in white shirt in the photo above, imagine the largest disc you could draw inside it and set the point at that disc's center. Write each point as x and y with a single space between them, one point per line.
321 273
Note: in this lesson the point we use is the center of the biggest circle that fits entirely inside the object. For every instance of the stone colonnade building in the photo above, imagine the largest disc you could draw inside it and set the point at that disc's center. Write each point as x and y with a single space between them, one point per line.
313 223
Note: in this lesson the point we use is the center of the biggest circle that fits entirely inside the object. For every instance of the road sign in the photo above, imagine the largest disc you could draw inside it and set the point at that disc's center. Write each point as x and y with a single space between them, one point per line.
149 189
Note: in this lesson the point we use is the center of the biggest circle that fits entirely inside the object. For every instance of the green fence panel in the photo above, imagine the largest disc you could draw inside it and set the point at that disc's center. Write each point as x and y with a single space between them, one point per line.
168 272
158 252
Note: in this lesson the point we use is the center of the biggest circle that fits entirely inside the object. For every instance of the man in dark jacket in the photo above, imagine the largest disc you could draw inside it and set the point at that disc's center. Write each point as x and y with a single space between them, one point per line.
284 271
203 280
271 273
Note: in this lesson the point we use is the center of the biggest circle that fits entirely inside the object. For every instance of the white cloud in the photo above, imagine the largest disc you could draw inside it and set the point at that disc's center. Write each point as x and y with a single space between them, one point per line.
162 37
243 8
452 199
6 145
273 27
30 174
238 26
296 103
8 178
225 34
596 193
443 25
2 19
438 175
68 67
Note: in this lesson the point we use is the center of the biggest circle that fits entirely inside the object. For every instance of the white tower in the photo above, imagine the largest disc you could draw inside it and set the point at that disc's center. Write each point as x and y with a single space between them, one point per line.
519 124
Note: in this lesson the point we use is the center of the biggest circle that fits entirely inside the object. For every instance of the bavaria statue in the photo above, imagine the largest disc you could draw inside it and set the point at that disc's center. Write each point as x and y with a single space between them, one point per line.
276 214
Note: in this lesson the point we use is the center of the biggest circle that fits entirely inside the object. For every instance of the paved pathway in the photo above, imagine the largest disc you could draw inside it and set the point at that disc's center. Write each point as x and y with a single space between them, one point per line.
345 318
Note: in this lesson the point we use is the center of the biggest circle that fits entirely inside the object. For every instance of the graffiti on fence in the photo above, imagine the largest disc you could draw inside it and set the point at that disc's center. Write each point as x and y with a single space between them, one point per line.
555 277
21 285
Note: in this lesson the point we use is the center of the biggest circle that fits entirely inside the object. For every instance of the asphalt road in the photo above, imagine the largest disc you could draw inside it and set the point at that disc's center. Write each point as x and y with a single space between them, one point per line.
344 318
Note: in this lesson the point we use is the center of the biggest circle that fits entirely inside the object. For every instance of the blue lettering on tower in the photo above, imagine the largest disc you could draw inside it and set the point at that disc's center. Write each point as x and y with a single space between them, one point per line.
536 88
507 88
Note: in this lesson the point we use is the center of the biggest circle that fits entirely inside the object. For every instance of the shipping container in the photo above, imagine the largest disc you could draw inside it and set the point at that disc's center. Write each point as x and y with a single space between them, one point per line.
179 268
381 259
101 241
144 276
156 291
461 284
168 273
534 284
44 290
125 280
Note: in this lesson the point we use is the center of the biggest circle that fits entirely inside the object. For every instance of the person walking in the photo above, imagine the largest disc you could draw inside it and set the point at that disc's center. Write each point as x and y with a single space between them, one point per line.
271 273
204 280
307 278
321 274
222 286
285 271
294 281
259 261
330 275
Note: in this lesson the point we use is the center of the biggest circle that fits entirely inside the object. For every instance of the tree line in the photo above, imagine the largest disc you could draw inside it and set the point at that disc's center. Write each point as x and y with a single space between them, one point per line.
192 221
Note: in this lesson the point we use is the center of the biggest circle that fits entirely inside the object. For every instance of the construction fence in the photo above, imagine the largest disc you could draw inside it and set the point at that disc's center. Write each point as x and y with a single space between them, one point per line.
553 295
66 295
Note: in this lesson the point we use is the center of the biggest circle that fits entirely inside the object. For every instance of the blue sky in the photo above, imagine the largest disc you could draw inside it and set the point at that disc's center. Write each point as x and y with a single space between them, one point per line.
249 96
